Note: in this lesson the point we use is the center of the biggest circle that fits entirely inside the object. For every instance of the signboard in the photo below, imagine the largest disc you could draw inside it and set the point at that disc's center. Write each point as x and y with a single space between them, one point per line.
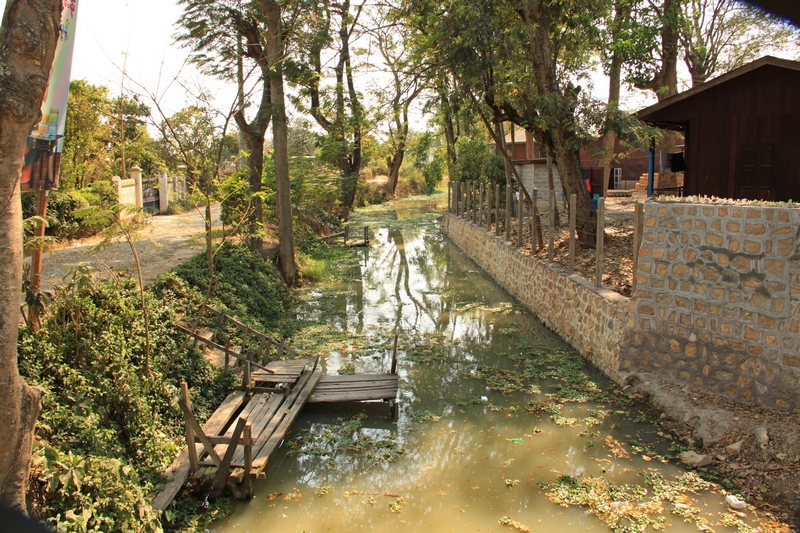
43 152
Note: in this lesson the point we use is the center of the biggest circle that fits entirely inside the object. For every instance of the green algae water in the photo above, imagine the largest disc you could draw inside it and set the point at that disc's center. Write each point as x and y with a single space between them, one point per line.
501 425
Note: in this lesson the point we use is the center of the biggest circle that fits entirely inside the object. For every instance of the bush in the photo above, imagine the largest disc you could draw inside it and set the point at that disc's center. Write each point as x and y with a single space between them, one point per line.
108 430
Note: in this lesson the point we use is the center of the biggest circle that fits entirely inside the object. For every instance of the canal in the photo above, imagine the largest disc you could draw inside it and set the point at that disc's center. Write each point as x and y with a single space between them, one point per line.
501 426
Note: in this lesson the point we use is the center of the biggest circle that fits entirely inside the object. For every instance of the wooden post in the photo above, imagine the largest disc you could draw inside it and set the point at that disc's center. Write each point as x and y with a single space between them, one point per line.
36 255
449 196
509 210
637 240
497 209
480 208
267 352
366 235
281 348
247 441
394 356
552 249
573 202
601 231
246 373
520 205
488 207
224 469
190 442
535 241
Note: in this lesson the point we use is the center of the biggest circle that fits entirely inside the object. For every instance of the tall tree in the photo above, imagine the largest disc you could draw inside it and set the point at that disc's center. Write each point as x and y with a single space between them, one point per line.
408 80
521 60
280 144
720 35
28 39
337 109
220 35
85 157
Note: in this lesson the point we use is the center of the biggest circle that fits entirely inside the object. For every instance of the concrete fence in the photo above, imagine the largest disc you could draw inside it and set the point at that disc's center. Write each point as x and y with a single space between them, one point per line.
715 305
131 191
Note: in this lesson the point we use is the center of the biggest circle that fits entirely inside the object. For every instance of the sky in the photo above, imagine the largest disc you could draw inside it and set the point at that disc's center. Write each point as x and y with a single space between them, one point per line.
136 35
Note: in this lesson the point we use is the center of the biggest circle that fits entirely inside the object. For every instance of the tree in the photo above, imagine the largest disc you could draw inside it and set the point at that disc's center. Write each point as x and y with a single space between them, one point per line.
408 80
520 61
720 35
280 142
221 36
337 109
28 39
85 157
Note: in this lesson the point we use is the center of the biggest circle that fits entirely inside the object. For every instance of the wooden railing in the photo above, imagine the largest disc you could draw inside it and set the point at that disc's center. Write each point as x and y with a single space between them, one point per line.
521 221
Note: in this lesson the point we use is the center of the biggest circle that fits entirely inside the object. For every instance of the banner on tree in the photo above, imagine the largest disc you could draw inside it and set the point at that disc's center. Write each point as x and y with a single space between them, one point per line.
45 142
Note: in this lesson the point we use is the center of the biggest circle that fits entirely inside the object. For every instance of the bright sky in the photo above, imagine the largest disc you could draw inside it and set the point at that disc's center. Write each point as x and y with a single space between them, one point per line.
139 35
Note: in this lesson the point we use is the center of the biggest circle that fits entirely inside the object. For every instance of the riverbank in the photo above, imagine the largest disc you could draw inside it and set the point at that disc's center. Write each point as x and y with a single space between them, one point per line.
731 435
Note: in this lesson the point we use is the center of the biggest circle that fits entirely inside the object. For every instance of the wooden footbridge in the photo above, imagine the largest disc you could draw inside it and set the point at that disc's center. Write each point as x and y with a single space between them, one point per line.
235 444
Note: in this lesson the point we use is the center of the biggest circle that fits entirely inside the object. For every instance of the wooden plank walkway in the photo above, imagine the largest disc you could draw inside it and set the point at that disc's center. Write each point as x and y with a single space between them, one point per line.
360 388
242 435
178 472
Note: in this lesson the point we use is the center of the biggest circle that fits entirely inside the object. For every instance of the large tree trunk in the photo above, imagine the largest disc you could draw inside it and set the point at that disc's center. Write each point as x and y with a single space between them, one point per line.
28 41
253 136
286 258
559 138
665 82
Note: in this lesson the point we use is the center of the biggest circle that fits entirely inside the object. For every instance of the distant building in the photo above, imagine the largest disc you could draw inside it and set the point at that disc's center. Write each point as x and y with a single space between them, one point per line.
742 132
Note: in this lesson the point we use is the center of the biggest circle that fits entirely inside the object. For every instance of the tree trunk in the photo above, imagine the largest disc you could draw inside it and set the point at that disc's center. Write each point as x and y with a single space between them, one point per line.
665 83
28 41
253 136
286 257
559 137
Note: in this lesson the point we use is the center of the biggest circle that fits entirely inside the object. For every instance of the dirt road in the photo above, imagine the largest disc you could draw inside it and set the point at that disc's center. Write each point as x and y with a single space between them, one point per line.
169 240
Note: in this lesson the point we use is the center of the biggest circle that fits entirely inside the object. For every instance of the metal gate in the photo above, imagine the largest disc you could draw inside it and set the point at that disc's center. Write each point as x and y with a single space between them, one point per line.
150 200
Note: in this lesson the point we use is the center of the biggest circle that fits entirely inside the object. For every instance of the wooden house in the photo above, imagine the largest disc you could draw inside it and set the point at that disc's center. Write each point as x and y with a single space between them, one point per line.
742 132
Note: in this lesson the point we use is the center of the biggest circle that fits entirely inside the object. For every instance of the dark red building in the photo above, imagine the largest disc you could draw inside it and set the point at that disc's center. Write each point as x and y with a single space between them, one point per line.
742 132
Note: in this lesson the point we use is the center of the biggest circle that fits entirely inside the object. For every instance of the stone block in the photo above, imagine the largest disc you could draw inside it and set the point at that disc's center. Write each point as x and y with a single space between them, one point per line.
775 266
755 229
714 239
753 247
733 227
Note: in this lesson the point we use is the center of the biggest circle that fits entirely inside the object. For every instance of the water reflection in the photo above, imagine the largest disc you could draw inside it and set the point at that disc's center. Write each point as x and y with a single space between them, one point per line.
483 459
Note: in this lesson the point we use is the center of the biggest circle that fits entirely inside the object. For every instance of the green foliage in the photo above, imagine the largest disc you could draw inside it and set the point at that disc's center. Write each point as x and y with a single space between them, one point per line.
85 157
108 430
476 160
237 271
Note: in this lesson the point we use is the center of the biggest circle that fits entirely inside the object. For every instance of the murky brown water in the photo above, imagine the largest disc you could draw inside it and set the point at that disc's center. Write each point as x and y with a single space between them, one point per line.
485 457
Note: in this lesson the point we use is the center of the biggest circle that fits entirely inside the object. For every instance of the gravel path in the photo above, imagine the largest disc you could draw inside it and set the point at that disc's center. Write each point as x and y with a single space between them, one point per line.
168 241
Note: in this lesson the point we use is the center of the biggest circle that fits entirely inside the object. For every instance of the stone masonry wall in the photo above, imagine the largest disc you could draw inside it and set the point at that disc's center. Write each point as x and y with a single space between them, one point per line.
717 296
592 320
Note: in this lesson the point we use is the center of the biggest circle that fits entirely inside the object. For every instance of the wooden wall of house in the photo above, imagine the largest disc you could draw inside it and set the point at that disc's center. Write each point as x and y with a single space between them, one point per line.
759 108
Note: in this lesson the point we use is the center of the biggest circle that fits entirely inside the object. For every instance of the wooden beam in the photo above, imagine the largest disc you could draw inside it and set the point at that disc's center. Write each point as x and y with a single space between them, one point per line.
223 469
189 429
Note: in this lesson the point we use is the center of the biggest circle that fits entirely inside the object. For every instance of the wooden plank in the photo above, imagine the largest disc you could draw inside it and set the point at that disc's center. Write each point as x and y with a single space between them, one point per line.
357 378
190 443
262 452
219 421
224 467
370 385
177 474
354 396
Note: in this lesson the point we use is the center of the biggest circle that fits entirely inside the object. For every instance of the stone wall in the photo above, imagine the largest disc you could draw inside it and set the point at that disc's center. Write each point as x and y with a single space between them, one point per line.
717 296
534 176
592 320
717 303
